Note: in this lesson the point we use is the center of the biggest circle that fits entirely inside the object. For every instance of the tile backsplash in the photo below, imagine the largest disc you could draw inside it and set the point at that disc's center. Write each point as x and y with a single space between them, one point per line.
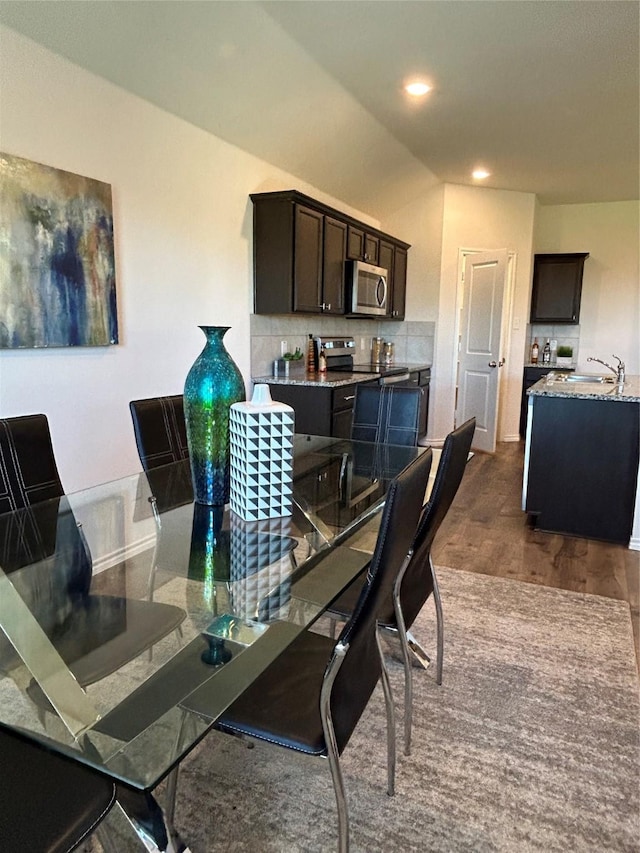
413 341
565 335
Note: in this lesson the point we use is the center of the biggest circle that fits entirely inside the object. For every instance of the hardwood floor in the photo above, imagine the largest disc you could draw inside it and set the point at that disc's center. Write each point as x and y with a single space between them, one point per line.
486 531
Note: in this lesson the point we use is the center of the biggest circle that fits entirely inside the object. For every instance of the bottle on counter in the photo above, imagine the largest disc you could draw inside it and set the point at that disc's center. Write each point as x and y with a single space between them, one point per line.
311 356
388 352
546 353
322 362
376 350
535 350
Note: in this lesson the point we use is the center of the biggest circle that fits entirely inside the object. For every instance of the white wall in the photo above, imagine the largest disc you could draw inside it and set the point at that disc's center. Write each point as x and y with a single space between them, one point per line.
183 233
420 223
610 308
476 218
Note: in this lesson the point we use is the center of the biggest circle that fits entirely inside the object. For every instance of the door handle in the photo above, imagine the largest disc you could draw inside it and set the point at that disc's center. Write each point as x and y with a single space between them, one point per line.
493 364
501 362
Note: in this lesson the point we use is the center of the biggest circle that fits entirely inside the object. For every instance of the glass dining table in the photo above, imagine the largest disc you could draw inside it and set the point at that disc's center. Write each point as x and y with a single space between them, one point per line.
132 617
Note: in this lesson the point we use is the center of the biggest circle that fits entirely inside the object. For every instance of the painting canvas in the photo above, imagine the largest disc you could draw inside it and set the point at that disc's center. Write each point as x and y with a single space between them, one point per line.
57 265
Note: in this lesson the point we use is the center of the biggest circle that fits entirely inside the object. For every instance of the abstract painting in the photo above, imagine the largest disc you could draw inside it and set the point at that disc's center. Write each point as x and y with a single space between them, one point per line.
57 265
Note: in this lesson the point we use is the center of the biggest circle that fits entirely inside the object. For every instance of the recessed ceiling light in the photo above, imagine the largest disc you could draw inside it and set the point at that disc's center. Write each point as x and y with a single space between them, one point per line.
480 174
417 88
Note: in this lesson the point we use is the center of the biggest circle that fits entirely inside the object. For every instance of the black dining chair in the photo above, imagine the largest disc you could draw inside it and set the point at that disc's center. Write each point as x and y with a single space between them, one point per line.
47 802
311 697
94 634
386 414
417 581
160 431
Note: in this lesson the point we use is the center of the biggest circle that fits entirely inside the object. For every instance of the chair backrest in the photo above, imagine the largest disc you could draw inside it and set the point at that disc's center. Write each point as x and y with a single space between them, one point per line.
361 667
389 414
161 434
417 584
28 470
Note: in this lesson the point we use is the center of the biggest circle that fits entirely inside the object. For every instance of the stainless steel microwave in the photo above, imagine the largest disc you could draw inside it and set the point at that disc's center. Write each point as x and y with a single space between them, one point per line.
368 287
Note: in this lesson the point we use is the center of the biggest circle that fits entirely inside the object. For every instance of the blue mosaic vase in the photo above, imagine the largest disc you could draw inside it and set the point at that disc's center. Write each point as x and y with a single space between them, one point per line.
212 385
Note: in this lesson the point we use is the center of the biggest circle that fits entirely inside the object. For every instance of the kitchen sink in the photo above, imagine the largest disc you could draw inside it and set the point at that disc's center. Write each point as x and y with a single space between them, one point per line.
580 377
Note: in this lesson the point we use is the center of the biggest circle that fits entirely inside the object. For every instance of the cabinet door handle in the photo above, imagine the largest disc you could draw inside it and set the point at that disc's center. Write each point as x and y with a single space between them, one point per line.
351 397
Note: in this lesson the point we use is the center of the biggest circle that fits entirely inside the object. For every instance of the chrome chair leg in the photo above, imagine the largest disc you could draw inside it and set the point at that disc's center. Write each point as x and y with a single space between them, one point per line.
332 747
391 722
439 622
404 645
408 683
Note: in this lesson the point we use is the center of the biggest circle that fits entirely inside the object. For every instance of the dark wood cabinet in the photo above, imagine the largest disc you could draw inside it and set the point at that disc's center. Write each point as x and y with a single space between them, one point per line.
557 288
333 264
319 410
582 467
399 284
307 259
530 377
421 379
363 246
394 260
300 249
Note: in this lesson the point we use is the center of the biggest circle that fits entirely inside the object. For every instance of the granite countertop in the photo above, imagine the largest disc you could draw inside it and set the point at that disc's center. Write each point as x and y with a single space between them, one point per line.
542 366
630 393
331 379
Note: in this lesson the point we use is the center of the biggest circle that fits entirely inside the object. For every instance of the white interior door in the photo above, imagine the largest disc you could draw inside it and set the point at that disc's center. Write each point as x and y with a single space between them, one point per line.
480 356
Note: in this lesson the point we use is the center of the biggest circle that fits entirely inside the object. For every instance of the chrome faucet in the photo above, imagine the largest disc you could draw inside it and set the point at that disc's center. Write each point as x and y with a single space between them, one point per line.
619 370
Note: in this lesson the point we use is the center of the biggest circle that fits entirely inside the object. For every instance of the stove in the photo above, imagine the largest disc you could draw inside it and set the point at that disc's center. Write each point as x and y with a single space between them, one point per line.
339 353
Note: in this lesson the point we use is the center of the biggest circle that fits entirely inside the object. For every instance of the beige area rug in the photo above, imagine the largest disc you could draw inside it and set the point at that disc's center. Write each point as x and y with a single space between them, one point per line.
530 744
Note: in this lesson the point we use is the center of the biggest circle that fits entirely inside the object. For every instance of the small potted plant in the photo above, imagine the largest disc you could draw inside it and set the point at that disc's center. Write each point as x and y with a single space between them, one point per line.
291 363
564 356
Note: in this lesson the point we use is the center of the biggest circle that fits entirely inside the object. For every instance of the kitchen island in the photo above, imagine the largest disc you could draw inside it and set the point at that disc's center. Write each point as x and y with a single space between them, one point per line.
582 455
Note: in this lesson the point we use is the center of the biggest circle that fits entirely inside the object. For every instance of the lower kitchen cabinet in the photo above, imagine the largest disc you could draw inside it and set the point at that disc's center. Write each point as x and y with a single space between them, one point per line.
581 467
320 410
530 377
421 379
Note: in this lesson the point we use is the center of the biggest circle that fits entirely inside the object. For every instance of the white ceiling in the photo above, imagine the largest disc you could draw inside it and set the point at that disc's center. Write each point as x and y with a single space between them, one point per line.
545 94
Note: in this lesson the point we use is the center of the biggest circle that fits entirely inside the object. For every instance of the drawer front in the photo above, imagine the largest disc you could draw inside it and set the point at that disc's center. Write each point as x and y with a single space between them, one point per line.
343 397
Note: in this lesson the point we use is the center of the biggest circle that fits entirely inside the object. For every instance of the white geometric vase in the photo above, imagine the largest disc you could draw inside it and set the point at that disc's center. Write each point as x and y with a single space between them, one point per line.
261 457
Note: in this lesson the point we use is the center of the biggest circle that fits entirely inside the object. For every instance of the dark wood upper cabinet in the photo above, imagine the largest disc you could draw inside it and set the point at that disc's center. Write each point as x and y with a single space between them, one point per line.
362 246
300 252
308 257
335 246
557 288
399 283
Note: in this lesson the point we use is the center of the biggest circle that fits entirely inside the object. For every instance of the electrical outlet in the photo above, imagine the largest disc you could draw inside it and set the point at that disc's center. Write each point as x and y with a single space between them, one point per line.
362 343
284 347
516 323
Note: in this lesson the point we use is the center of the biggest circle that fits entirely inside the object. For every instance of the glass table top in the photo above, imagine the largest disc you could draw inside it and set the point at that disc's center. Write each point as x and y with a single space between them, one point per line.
132 618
